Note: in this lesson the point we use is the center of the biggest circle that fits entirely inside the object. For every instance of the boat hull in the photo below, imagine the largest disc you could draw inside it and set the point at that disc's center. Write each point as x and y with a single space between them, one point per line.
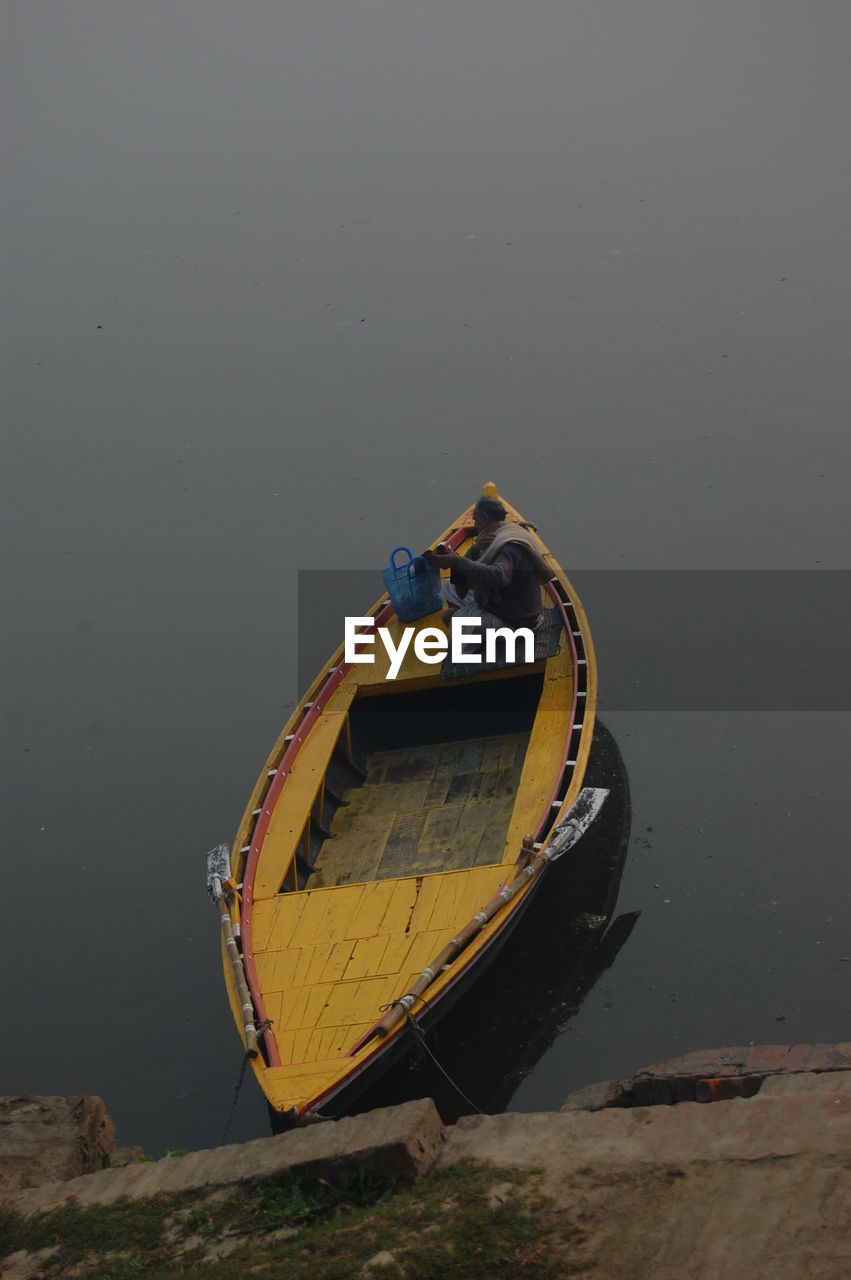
327 951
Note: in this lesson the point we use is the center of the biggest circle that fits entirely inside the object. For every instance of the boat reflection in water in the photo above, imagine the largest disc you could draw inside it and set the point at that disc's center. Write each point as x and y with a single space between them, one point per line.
497 1032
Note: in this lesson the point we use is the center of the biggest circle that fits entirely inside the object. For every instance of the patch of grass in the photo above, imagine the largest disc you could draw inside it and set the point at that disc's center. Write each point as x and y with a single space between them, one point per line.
446 1225
132 1227
270 1205
138 1229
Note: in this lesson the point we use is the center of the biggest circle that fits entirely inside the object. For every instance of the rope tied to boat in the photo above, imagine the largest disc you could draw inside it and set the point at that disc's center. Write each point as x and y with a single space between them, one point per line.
405 1003
421 1040
246 1058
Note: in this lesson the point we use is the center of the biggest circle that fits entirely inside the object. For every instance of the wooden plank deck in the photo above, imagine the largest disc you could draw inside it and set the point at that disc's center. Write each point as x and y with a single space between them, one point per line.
423 809
327 970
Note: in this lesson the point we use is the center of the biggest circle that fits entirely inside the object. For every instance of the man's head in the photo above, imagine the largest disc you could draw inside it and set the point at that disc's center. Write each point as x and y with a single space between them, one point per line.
488 511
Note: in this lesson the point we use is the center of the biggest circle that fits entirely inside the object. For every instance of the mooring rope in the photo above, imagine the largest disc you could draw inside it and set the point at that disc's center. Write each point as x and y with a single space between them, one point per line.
421 1040
245 1058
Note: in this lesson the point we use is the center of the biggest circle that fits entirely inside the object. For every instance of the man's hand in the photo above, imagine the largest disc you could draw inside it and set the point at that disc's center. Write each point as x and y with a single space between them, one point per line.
443 557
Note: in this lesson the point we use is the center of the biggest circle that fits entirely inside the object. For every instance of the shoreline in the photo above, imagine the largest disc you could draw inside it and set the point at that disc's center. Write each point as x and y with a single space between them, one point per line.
676 1155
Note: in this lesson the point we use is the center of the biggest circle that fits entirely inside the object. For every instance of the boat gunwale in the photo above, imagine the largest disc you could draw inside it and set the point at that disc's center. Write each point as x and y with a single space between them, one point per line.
568 631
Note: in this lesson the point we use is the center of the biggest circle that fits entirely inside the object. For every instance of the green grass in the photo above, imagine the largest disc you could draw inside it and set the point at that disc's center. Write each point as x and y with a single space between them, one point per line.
132 1227
444 1226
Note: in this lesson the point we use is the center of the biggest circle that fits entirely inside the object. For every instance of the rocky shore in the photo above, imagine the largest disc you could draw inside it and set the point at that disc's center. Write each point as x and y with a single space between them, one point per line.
722 1163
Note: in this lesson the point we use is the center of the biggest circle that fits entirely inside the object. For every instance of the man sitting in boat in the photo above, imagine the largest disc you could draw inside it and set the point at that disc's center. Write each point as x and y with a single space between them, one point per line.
499 578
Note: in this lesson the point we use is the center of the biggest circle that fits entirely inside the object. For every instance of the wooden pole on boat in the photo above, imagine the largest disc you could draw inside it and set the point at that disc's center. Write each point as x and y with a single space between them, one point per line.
532 862
221 888
239 976
401 1007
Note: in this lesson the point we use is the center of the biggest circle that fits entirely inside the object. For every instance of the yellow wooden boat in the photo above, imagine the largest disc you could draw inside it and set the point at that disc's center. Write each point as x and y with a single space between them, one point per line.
396 832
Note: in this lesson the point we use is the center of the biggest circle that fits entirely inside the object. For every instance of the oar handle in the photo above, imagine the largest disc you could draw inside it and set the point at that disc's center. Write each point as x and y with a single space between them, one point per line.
239 975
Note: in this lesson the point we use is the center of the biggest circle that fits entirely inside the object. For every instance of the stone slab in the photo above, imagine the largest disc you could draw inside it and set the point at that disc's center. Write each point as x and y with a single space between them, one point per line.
836 1086
711 1075
757 1187
49 1139
765 1127
698 1076
594 1097
396 1144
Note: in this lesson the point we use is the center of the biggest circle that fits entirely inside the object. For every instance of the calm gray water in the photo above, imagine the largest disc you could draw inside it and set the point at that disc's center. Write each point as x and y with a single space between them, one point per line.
283 285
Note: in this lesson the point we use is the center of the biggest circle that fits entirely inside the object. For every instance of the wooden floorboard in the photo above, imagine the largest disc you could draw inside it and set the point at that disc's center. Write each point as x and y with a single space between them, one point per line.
423 809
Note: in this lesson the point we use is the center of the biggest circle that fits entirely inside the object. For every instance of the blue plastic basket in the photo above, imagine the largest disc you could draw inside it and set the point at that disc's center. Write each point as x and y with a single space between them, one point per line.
414 587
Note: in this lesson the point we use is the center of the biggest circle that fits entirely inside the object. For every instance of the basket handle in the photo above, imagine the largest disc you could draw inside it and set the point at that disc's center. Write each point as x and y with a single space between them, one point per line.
393 555
415 560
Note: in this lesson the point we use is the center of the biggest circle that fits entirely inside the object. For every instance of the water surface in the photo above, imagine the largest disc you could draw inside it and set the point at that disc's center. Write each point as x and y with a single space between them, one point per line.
283 286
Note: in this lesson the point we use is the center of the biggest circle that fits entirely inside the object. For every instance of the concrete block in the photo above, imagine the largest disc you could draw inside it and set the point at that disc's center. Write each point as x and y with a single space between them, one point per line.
395 1144
797 1057
678 1079
831 1086
49 1139
830 1057
702 1062
812 1120
763 1059
594 1098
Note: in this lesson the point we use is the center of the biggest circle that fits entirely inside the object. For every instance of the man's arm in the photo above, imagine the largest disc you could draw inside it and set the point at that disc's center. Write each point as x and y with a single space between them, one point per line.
493 577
